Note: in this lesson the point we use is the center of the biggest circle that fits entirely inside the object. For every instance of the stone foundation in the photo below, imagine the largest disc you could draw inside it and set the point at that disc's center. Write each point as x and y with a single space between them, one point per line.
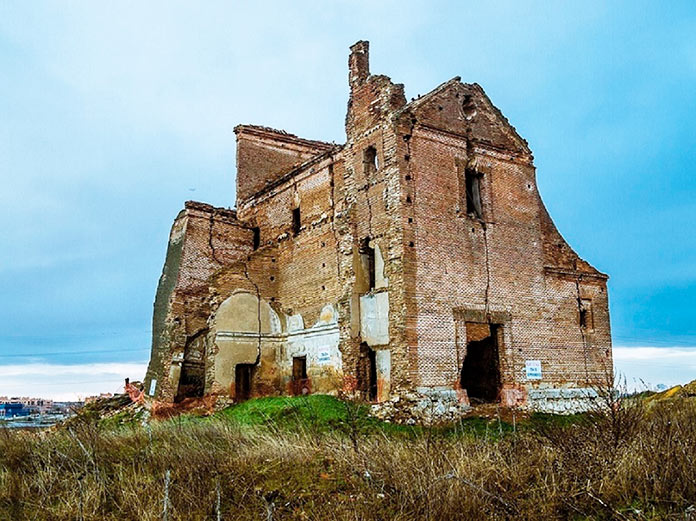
423 407
562 401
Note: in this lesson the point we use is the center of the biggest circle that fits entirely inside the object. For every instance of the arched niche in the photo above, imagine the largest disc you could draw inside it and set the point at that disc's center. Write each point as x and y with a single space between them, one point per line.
243 313
242 326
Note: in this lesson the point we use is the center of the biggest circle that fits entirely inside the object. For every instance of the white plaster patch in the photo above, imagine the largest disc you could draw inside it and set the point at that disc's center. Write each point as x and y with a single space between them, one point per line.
316 343
374 318
295 323
380 280
274 320
383 363
328 315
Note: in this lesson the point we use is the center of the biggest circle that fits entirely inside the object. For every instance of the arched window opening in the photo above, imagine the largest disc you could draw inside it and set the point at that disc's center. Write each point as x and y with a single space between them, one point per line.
370 161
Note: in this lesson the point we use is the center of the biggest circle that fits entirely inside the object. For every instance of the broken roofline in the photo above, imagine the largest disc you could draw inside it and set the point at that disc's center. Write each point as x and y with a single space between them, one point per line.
457 80
325 149
282 135
291 173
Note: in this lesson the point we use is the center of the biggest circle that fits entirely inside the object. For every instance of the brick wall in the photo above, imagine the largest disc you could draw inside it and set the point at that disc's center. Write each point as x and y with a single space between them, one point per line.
202 240
264 155
500 264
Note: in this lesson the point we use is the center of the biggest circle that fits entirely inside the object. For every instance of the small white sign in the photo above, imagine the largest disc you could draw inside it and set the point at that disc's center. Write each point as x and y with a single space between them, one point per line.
153 386
323 357
533 369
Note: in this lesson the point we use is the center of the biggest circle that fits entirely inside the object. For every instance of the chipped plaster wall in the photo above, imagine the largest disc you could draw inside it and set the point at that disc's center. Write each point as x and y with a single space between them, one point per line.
246 330
307 267
239 334
374 319
319 343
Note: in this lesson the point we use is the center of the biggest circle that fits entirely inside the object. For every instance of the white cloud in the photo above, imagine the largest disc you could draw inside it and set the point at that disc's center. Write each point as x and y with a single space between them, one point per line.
649 366
64 382
641 366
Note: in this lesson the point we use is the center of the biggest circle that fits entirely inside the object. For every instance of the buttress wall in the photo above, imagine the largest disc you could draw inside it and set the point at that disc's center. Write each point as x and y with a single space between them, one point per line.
202 240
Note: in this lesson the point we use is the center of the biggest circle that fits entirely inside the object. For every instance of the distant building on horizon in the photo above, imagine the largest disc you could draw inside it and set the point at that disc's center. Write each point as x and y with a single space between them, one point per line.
13 410
90 399
40 405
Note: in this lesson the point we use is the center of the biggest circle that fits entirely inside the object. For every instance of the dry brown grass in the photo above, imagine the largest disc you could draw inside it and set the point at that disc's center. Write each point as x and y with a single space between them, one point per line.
637 465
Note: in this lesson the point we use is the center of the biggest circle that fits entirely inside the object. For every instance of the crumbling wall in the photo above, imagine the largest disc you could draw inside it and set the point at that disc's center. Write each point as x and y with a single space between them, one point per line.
494 265
165 289
382 260
203 240
373 200
265 154
306 276
240 332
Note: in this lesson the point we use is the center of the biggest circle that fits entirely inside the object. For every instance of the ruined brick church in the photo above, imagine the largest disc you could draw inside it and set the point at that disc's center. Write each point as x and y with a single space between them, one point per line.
415 259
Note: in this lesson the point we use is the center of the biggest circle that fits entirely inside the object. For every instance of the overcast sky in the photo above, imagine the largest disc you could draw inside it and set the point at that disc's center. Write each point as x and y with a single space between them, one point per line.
113 114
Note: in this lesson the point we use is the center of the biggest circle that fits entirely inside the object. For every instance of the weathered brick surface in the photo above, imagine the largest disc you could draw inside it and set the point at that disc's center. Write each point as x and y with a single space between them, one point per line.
447 274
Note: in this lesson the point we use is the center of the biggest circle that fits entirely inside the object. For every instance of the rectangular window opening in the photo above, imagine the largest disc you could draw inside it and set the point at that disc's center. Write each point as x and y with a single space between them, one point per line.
586 318
367 254
296 221
473 193
257 237
370 162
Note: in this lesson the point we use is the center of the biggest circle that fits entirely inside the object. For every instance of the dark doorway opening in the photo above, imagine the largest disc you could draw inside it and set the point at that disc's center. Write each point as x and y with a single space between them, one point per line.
481 368
300 382
242 381
192 376
191 380
372 394
367 373
299 368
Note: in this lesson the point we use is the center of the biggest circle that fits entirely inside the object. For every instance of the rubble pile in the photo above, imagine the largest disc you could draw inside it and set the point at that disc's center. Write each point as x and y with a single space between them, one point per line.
422 408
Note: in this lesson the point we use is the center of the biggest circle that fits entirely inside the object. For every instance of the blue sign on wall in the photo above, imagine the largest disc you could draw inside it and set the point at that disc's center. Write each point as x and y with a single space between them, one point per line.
532 369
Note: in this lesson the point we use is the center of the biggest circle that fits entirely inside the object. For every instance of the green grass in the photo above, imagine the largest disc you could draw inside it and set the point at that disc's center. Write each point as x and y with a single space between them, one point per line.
319 413
318 409
316 413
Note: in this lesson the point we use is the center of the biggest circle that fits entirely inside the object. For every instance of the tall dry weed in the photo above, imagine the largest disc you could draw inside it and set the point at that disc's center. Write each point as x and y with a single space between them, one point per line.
629 463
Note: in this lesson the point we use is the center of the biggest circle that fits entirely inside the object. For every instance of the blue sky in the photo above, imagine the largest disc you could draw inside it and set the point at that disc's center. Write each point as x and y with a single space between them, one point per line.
113 114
